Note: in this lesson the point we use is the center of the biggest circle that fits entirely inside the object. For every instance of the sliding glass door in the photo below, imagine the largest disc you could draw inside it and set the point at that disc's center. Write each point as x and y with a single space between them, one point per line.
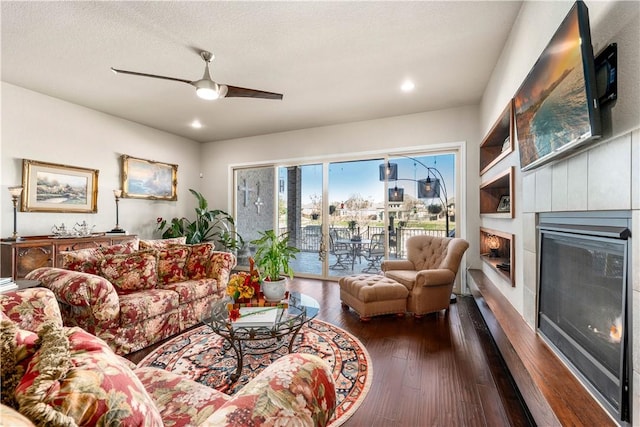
345 217
421 197
300 214
356 215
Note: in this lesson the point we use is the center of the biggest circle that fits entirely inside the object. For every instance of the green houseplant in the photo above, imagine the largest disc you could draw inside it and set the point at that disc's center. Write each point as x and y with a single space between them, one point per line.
210 225
273 255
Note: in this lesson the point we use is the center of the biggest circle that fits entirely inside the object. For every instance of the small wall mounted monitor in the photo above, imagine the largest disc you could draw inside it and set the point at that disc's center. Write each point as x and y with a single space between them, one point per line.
556 107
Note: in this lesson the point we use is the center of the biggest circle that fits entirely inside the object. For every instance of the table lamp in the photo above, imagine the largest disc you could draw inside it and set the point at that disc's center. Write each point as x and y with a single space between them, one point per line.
15 195
494 244
117 229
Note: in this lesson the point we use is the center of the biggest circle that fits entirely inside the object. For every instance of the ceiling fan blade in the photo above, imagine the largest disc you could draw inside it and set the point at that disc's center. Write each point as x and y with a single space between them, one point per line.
155 76
241 92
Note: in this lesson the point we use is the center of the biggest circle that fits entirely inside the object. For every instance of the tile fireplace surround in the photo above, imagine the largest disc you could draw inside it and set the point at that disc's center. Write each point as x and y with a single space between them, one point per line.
603 178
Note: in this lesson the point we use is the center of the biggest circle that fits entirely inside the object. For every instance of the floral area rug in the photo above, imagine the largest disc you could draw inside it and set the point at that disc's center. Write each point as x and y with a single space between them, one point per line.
199 355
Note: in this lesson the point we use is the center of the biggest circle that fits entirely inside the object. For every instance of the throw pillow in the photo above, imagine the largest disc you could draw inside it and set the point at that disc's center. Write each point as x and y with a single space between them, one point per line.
75 379
162 243
121 248
52 363
83 260
130 272
16 345
198 261
171 263
22 341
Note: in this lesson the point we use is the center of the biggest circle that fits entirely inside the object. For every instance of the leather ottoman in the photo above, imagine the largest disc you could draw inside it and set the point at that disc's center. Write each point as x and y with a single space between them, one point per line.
373 295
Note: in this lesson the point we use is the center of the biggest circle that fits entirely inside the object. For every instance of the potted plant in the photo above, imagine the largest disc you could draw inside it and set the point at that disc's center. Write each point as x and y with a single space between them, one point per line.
315 202
273 255
210 225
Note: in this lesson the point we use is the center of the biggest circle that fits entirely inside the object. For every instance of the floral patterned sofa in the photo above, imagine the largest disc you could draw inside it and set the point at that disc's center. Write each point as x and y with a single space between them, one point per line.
55 375
135 294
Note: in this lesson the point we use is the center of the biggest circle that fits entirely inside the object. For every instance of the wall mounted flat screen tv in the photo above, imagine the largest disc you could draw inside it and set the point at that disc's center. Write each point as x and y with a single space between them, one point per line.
556 108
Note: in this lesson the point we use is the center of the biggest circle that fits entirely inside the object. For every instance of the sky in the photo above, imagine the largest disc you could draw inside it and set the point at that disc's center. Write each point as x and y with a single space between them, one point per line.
362 177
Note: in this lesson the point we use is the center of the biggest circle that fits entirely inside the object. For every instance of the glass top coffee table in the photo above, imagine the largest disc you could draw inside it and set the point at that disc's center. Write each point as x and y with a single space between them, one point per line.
300 309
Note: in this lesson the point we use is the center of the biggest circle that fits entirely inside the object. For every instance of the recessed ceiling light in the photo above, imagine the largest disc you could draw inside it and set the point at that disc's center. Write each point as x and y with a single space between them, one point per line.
196 124
407 86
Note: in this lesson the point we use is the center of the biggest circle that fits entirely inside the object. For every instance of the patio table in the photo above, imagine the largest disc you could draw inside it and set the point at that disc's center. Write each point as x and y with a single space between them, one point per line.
356 248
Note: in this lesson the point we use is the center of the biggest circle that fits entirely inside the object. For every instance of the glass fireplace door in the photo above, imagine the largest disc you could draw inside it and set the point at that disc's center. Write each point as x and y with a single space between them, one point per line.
582 306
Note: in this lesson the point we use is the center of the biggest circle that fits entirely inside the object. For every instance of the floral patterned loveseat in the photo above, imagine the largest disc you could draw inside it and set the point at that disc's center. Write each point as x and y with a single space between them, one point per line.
135 294
54 375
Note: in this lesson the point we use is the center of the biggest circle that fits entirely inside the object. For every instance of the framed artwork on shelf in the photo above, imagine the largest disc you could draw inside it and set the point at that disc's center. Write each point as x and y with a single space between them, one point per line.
505 204
506 144
147 179
50 187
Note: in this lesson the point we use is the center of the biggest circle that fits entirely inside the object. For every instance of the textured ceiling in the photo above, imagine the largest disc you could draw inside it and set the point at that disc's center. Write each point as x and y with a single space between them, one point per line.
335 62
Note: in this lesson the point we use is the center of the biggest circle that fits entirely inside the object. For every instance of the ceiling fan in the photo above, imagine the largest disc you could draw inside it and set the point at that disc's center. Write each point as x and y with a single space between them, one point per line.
206 88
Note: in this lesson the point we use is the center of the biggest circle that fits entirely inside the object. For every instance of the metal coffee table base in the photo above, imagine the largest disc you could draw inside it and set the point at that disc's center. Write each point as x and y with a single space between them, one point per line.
257 346
258 340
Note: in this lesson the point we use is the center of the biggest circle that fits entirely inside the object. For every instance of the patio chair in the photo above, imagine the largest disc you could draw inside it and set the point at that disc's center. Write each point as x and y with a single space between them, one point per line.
374 254
342 233
342 252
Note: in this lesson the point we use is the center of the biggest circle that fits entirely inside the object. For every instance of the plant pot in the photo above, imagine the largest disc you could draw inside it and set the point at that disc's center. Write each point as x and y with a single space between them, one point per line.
274 291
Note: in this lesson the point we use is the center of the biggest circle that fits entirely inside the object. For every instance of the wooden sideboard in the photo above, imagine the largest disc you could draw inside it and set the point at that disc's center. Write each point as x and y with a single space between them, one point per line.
18 258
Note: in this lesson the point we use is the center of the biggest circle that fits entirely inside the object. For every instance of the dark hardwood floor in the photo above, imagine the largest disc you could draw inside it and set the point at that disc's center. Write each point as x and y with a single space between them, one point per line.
441 370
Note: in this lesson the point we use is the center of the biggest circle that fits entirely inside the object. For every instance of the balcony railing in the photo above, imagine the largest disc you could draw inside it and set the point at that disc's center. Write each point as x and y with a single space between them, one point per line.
310 236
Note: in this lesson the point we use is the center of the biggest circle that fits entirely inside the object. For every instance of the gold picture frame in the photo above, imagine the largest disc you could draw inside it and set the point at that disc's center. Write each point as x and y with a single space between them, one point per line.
148 179
51 187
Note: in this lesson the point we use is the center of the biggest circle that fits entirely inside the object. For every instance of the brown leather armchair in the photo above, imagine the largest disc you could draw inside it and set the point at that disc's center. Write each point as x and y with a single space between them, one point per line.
429 271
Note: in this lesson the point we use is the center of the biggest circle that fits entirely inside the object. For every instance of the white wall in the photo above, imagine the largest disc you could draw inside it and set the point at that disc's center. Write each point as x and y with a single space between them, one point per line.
42 128
424 129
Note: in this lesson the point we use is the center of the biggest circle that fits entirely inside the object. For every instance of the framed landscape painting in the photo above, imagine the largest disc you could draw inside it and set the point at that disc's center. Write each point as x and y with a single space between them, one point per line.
146 179
50 187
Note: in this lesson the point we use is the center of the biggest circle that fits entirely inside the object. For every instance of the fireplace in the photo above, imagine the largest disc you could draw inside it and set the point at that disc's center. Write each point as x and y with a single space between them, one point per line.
583 314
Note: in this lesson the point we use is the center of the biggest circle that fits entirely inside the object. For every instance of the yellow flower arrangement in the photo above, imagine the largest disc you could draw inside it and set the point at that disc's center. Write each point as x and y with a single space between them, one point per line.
243 284
239 286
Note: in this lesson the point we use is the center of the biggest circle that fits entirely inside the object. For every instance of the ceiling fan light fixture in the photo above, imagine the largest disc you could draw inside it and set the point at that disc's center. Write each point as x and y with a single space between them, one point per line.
207 93
207 89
